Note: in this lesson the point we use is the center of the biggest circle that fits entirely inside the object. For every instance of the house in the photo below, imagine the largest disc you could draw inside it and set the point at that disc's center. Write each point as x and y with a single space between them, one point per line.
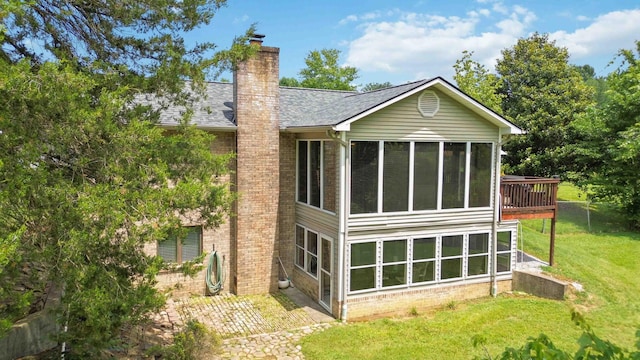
374 203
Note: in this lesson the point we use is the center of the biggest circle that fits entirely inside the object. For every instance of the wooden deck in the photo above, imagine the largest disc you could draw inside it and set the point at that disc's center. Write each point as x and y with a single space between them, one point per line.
528 197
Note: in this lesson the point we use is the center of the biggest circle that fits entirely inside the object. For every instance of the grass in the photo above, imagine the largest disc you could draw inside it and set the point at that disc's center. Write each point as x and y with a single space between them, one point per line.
603 260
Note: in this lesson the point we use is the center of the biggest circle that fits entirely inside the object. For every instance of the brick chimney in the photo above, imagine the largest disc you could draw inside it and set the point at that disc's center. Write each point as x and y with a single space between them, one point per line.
257 110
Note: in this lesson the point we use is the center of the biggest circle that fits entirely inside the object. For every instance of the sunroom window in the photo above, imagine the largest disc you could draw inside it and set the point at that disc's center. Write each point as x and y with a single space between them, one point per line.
394 263
363 266
504 251
395 178
426 161
424 260
451 263
401 176
478 249
364 177
453 177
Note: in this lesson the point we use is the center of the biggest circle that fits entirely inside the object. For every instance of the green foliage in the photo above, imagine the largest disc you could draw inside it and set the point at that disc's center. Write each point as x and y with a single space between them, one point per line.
598 83
591 347
609 153
543 95
476 81
87 177
323 71
290 82
193 343
376 86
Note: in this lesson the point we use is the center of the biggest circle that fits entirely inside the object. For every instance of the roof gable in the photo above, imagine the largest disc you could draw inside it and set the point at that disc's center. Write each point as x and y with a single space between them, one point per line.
437 83
302 108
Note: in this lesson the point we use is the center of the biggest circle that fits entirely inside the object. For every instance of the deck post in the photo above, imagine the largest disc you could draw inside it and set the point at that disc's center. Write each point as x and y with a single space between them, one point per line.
552 244
529 197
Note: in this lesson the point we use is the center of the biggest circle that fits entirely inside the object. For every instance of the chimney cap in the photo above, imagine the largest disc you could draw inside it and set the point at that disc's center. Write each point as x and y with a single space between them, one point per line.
256 39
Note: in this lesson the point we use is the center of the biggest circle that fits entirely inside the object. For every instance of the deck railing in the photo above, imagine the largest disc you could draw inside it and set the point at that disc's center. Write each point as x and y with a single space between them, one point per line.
525 197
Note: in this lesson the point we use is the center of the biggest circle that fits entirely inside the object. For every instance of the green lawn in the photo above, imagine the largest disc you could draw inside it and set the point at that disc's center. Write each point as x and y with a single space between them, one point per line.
604 261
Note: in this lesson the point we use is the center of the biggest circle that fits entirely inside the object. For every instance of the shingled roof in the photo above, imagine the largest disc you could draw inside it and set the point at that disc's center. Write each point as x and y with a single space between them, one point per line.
311 108
299 107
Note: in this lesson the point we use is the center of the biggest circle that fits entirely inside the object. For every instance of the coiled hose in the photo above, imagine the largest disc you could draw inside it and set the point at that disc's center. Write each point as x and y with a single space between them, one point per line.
215 288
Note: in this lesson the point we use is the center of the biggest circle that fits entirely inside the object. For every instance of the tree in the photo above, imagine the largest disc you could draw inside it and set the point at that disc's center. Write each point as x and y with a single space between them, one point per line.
376 86
543 95
476 81
324 72
290 82
87 178
609 152
598 83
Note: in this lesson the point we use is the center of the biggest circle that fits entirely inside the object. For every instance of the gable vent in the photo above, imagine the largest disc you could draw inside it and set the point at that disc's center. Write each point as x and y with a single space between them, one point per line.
428 103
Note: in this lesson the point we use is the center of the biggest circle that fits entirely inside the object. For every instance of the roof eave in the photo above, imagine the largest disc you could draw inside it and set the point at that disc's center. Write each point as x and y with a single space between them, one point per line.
505 125
307 129
202 127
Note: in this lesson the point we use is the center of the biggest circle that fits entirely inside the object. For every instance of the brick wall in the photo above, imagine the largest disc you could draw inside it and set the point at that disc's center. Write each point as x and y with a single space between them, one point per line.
257 109
287 203
402 302
219 239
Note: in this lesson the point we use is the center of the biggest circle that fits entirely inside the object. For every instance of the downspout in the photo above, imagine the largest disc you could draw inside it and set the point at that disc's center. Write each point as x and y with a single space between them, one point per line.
496 217
497 210
342 233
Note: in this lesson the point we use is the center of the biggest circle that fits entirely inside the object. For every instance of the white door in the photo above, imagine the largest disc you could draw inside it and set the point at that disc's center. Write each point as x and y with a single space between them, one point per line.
326 250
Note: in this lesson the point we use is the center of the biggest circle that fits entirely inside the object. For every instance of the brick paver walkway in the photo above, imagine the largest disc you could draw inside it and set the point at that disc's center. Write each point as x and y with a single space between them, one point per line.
251 327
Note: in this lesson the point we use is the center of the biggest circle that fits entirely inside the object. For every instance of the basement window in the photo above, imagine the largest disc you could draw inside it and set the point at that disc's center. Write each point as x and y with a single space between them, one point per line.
173 250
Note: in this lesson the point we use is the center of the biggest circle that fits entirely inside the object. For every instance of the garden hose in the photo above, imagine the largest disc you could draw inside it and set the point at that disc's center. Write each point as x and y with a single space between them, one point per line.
215 288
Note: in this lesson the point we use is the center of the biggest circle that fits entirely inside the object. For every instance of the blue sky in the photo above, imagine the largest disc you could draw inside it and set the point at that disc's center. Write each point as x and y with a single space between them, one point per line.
400 41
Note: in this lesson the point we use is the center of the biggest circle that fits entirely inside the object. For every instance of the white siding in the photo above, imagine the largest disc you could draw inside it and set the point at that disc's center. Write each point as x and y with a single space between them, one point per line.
403 121
317 220
453 122
412 222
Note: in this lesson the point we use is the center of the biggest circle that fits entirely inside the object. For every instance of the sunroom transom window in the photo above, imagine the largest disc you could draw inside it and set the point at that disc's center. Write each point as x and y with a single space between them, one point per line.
405 176
396 263
316 170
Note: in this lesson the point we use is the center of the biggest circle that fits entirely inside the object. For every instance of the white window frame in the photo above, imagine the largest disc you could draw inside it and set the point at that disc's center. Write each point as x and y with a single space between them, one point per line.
308 255
437 260
308 170
439 207
487 254
510 252
441 257
406 263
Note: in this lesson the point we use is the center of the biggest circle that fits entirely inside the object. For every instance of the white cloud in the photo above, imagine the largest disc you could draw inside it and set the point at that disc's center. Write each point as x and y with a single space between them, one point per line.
606 35
241 19
415 45
403 46
364 17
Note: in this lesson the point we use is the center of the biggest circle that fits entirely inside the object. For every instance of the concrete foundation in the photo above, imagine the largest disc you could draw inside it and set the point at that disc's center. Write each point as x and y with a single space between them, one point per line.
539 285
